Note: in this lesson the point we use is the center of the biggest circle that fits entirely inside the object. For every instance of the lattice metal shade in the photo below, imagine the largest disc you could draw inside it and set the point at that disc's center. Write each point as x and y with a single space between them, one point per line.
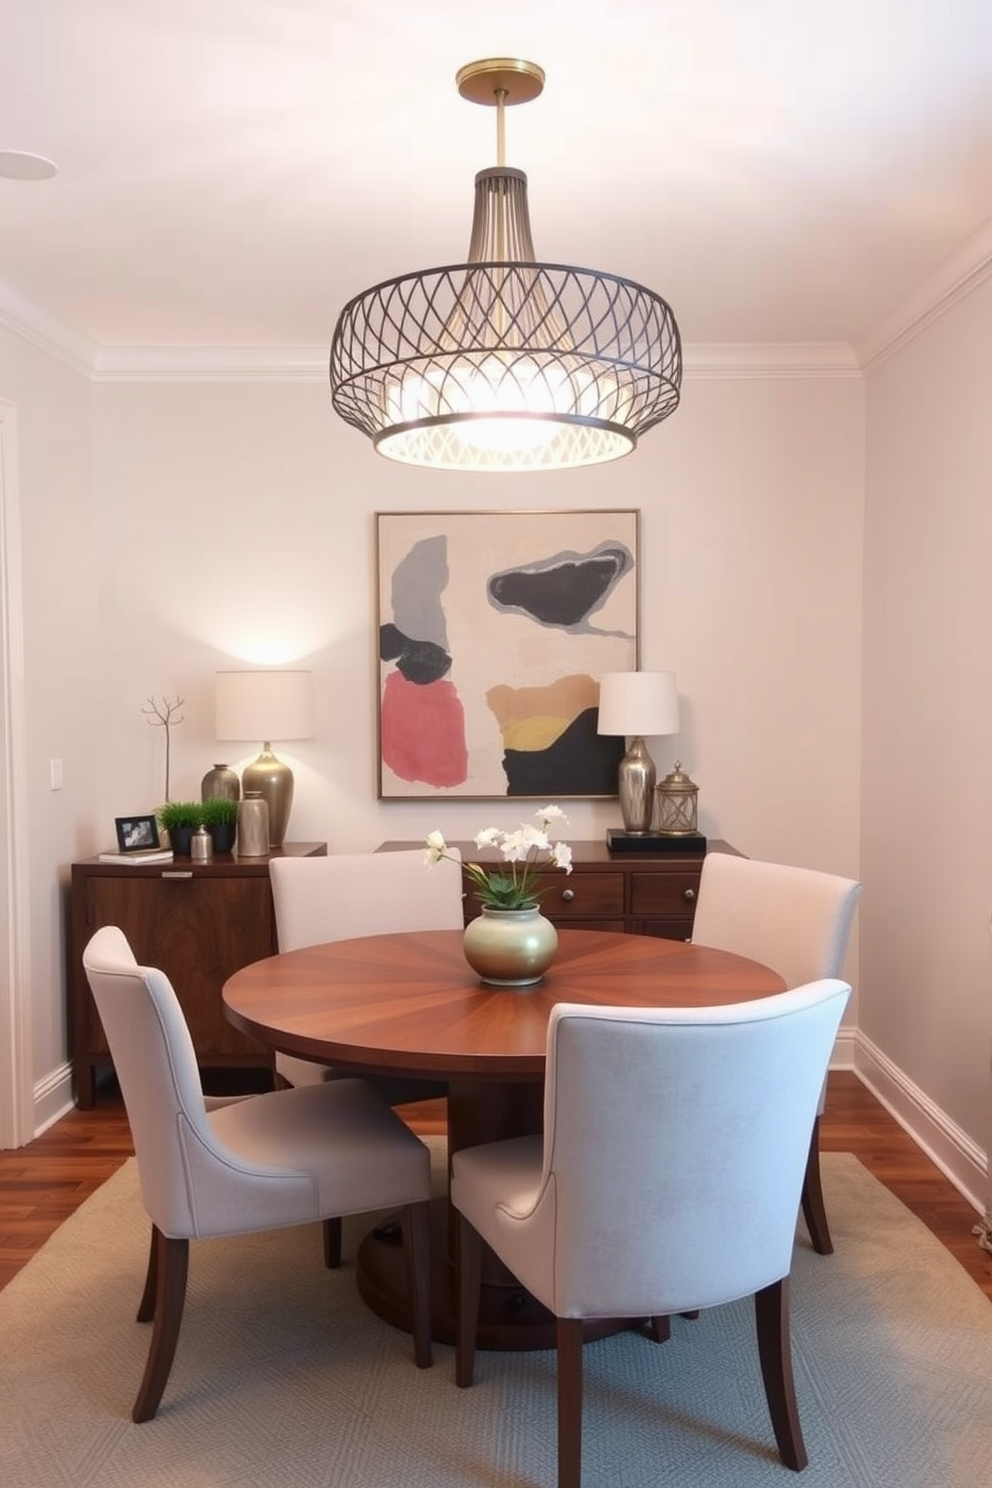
504 363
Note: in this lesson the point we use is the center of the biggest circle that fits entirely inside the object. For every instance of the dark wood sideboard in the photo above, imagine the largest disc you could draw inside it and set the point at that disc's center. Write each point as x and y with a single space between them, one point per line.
198 921
639 893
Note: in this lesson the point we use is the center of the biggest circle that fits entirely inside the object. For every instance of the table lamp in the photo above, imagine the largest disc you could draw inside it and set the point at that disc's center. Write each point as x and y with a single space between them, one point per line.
266 705
636 704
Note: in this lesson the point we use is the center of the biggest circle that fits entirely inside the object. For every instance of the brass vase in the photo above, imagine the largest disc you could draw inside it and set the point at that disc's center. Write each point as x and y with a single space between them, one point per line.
510 947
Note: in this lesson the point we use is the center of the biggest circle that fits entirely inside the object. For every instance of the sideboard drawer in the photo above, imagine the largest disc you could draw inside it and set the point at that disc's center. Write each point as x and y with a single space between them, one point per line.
644 893
584 895
660 893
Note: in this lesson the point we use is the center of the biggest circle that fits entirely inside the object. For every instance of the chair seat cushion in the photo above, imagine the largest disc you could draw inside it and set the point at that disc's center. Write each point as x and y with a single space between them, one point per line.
357 1154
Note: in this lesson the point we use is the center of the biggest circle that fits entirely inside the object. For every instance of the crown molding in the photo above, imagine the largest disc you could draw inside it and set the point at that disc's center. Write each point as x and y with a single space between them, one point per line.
46 330
770 359
968 267
232 364
101 364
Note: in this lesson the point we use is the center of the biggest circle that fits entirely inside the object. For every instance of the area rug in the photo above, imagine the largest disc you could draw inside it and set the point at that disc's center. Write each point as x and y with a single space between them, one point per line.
284 1380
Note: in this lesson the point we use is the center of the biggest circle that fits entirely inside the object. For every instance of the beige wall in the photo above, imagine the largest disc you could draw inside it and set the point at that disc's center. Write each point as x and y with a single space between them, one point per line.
53 417
235 516
926 967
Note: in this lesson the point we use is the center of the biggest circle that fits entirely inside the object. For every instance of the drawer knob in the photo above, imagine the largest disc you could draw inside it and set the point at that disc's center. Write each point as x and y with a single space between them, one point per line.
568 895
689 895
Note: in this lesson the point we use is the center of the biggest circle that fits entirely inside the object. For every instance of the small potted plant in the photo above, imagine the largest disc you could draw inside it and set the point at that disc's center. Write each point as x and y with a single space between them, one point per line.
181 819
220 817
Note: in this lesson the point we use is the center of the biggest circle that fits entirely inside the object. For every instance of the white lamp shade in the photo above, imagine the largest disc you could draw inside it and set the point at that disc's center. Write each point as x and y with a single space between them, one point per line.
638 704
264 705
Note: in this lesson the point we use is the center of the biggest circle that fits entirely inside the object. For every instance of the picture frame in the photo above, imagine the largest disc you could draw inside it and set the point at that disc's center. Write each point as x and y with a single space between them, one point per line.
136 833
494 628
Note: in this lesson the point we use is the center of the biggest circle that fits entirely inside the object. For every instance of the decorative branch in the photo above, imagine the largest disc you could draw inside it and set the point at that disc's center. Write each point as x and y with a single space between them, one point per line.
162 715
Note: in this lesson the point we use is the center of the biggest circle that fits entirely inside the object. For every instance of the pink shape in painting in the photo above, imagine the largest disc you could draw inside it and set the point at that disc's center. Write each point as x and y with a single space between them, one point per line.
423 731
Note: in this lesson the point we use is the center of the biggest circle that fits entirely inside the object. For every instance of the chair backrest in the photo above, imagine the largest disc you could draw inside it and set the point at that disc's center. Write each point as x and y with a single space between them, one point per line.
156 1066
795 920
351 894
675 1146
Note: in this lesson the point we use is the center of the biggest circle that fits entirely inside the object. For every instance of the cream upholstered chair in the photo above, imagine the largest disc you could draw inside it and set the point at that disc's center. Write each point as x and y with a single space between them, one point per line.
667 1180
354 894
226 1167
798 922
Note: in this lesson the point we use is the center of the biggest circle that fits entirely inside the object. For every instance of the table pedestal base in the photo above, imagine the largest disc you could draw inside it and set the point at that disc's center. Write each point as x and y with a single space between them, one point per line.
509 1317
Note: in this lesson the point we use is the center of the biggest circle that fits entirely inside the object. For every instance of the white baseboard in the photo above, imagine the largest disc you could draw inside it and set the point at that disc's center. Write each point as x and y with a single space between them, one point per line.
52 1098
955 1154
843 1055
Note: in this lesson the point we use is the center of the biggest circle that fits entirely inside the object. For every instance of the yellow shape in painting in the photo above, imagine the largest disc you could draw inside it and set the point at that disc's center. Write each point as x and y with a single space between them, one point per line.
532 718
533 733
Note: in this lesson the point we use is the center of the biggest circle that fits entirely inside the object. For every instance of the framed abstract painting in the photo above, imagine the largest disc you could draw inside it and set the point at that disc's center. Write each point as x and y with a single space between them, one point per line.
494 629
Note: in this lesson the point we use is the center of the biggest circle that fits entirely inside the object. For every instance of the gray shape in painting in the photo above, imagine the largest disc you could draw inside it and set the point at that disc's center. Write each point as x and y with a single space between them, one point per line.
418 582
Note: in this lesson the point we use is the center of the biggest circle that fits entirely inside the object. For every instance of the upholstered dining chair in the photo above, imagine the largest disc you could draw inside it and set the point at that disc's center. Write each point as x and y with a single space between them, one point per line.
667 1180
355 894
210 1167
798 922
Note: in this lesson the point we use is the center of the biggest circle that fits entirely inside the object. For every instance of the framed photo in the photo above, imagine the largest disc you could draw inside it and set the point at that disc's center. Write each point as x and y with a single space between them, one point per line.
494 629
136 833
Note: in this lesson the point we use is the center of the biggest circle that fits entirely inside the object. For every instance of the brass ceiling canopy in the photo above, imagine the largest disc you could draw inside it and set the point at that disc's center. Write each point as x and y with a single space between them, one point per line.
503 363
483 82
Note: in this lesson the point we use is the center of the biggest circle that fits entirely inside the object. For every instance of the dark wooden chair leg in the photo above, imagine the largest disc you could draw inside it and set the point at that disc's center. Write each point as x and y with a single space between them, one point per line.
661 1328
172 1265
569 1333
146 1307
332 1243
814 1209
771 1312
417 1257
468 1269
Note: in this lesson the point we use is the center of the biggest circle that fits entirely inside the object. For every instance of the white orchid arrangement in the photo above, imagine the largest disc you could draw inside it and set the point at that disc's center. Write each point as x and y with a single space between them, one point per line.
516 888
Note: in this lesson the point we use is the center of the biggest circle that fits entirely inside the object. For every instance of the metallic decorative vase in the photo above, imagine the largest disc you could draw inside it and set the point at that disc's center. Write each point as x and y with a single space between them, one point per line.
510 947
274 781
253 826
220 784
201 845
635 787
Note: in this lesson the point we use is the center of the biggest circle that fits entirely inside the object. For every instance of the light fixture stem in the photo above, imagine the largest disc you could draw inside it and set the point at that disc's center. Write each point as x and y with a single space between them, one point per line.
500 126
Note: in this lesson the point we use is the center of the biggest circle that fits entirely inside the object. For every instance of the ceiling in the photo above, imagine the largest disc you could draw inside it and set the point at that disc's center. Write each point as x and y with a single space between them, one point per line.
231 171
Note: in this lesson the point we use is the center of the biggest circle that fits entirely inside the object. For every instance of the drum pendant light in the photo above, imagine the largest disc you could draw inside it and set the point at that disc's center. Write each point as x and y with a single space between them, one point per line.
504 363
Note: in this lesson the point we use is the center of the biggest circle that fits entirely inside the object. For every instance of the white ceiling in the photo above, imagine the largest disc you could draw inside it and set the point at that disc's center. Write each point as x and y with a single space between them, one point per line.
231 171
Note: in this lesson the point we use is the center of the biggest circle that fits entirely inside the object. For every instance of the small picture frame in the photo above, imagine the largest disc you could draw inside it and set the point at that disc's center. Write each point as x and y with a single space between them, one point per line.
136 833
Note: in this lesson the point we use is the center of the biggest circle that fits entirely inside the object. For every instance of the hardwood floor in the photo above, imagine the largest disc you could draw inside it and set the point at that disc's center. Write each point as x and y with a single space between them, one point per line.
43 1183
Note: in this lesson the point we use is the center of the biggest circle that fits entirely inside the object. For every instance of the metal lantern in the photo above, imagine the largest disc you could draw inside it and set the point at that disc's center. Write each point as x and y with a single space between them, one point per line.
677 804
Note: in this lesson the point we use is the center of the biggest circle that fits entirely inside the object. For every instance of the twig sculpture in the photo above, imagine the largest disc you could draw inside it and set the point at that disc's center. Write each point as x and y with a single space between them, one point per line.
163 715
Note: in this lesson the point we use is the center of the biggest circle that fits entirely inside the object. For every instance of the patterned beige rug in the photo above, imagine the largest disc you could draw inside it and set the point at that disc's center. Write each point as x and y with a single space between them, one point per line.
284 1380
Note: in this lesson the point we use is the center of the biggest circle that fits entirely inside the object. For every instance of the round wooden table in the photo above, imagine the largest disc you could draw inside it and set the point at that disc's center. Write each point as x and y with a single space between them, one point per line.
410 1004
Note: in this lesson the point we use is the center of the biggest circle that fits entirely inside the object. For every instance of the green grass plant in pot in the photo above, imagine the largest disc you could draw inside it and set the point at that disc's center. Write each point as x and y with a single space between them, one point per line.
181 819
220 817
